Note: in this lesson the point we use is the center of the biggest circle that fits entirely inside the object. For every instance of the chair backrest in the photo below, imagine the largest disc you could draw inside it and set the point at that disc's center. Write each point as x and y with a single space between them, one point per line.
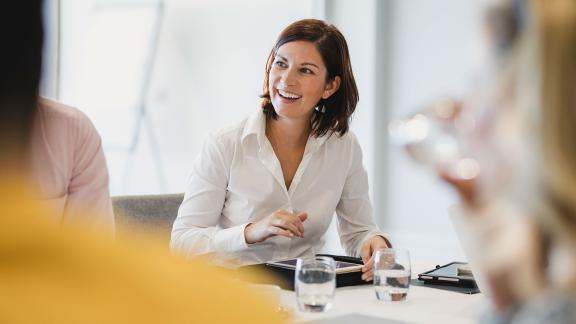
149 214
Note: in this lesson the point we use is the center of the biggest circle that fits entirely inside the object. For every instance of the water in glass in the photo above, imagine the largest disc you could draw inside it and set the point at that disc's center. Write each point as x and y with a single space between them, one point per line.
391 284
315 285
391 274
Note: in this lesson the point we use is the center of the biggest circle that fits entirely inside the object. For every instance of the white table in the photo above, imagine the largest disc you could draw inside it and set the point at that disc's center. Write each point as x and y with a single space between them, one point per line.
423 305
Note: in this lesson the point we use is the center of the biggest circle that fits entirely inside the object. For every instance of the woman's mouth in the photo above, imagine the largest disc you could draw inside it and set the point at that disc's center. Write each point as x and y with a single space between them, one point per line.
288 95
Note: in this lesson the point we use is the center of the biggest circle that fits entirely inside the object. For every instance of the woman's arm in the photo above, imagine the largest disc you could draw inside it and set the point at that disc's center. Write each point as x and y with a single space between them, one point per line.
196 229
355 214
88 198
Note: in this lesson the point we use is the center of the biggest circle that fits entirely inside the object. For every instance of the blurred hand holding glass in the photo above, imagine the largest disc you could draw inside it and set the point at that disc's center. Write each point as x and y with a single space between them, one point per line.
392 272
315 283
437 136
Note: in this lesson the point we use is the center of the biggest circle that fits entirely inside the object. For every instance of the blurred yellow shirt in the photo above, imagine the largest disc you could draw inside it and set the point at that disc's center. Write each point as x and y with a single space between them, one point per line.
54 275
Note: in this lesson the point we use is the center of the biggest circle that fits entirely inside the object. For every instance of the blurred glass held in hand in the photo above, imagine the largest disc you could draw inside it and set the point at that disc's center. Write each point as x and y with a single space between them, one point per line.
315 283
436 137
392 272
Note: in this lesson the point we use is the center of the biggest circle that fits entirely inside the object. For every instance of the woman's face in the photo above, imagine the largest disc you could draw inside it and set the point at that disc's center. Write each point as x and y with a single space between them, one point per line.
297 80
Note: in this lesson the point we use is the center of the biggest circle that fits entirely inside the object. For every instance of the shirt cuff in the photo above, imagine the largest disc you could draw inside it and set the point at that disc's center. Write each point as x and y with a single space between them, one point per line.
230 239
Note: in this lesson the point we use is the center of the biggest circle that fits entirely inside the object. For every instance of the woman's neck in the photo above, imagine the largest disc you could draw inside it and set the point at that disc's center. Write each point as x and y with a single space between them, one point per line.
287 132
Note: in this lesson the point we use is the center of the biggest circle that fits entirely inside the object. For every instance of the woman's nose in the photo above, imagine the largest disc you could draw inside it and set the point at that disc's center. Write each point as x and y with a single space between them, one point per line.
288 77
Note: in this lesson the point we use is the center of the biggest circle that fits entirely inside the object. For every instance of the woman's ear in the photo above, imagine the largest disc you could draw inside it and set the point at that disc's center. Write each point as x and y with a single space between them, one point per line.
331 87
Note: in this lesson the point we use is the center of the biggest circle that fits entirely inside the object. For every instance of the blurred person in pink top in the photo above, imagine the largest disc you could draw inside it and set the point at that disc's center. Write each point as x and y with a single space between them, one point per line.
68 167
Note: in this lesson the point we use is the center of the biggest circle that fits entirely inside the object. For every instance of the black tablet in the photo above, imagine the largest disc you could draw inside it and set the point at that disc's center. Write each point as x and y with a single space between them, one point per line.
452 274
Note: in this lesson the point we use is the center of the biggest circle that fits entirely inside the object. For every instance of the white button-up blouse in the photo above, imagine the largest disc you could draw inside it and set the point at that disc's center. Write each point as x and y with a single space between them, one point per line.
237 180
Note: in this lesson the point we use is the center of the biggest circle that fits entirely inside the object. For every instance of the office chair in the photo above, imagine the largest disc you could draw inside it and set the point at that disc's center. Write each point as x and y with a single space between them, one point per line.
146 214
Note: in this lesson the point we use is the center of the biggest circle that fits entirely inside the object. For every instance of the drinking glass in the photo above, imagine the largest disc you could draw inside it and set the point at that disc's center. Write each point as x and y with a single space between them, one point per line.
392 273
438 136
315 283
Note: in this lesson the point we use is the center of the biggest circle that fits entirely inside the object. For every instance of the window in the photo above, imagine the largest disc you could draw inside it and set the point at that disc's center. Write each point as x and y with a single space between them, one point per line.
155 77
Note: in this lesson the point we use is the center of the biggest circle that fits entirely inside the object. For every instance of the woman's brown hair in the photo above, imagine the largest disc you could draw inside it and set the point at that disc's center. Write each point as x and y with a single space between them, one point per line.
334 113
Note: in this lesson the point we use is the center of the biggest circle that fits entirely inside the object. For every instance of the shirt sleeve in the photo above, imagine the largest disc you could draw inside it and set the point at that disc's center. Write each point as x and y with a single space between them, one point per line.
88 200
354 210
196 230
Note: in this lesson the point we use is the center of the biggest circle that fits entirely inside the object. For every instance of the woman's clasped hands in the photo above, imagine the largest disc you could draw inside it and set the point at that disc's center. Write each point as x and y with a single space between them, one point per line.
281 223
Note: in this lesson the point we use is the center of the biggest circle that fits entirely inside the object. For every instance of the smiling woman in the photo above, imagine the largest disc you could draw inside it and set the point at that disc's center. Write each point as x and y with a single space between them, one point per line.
267 188
318 51
298 81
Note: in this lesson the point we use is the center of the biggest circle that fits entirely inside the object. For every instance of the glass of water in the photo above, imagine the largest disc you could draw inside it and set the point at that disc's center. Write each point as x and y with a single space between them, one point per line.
392 273
315 283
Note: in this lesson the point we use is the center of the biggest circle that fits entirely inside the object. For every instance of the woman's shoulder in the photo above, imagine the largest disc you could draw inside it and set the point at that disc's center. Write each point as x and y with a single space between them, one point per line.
63 118
228 135
347 140
60 120
53 110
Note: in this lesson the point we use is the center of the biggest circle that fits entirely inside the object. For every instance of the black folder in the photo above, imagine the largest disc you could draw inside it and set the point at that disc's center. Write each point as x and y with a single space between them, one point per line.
447 277
284 277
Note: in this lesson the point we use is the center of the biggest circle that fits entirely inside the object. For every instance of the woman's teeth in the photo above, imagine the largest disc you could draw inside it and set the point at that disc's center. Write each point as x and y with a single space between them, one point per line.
288 95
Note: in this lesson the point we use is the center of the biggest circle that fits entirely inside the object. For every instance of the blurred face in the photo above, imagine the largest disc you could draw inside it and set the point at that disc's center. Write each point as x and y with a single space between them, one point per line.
297 80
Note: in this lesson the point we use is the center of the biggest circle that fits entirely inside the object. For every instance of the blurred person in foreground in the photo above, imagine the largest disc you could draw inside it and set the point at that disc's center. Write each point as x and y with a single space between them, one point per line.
519 213
68 167
66 162
267 188
50 274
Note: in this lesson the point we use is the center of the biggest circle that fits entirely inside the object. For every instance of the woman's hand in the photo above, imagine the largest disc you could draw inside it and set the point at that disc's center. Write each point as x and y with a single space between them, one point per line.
367 252
280 222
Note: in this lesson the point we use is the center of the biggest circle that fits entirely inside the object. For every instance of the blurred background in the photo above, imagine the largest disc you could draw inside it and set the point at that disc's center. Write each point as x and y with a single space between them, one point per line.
156 76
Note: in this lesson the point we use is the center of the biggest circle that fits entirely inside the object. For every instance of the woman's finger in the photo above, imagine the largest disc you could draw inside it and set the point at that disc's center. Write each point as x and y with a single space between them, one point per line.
368 265
366 252
368 275
287 224
279 231
302 217
296 220
300 226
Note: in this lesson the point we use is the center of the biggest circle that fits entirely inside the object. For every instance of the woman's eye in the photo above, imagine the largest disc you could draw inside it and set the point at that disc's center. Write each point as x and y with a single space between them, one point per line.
306 71
280 64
